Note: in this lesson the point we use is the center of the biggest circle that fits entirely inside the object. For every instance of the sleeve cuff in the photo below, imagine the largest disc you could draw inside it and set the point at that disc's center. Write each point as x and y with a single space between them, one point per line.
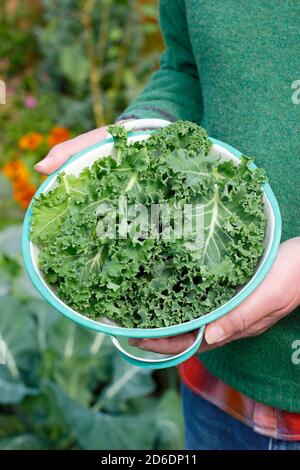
147 111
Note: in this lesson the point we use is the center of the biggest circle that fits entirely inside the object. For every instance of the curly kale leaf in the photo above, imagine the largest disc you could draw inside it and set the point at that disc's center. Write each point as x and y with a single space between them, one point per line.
153 281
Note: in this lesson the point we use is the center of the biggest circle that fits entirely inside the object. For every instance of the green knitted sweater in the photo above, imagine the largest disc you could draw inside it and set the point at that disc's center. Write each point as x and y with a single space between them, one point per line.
234 67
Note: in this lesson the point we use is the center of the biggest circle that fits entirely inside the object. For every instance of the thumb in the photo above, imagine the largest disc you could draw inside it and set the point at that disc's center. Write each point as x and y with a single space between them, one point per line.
253 309
60 153
264 300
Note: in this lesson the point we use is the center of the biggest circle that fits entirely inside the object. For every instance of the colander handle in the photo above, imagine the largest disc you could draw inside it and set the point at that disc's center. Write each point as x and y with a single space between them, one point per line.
144 124
166 360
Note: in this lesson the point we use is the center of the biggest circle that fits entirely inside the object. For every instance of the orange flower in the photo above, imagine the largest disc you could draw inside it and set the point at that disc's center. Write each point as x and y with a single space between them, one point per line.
8 170
15 170
23 192
58 135
31 141
23 188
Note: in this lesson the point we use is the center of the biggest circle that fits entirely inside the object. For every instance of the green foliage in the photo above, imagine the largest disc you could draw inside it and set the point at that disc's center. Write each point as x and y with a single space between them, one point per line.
68 63
101 50
152 281
14 37
64 387
70 55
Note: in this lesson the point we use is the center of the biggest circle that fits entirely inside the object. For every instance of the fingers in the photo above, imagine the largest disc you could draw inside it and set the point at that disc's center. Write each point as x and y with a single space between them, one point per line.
236 329
255 330
237 321
271 301
264 301
245 323
59 154
178 344
172 345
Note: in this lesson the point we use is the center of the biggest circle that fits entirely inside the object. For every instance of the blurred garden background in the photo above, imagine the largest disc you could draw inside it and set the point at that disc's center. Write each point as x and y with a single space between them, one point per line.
69 66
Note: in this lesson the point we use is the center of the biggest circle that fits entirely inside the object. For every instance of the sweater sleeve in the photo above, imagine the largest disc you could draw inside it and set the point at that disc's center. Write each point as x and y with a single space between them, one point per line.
174 90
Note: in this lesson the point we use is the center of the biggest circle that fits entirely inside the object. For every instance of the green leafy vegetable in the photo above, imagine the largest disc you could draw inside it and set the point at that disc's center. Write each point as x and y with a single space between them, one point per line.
153 278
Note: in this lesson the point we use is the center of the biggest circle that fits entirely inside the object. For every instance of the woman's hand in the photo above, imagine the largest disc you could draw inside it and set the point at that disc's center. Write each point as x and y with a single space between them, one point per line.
276 297
59 154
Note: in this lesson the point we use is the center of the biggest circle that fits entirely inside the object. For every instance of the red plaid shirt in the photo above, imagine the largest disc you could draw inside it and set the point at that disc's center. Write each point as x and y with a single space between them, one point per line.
262 418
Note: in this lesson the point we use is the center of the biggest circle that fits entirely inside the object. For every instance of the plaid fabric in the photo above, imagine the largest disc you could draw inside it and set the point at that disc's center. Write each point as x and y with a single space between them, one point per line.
262 418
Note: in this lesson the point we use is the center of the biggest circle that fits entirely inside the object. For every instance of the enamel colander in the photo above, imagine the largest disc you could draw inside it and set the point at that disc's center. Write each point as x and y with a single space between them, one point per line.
120 335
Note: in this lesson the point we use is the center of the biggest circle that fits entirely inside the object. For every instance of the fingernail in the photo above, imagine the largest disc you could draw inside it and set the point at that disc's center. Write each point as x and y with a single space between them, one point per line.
214 334
40 165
